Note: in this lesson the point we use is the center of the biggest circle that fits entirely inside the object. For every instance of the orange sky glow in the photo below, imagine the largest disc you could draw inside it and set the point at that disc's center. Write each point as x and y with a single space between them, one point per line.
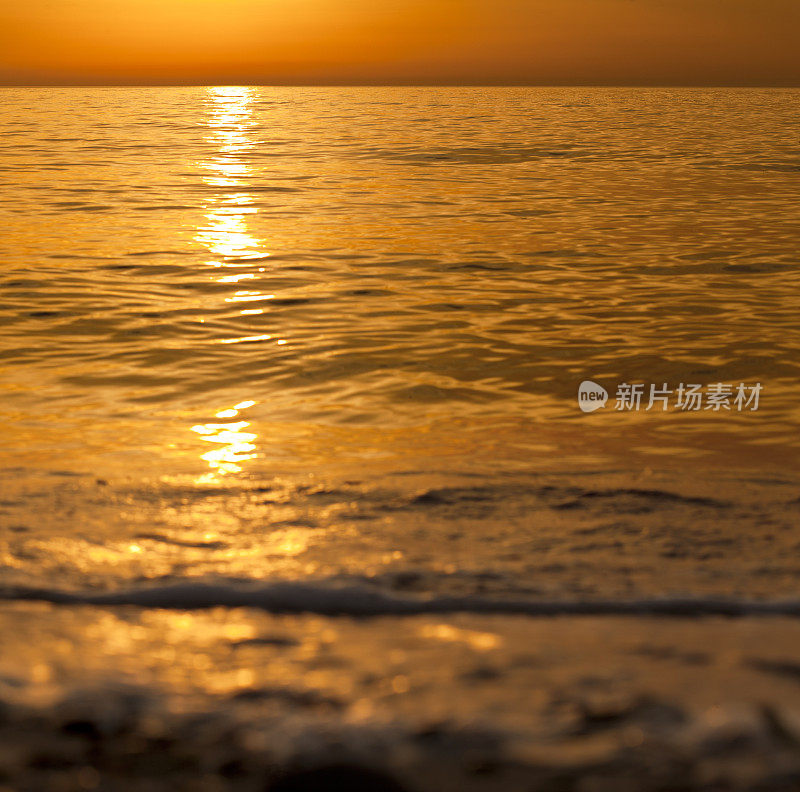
713 42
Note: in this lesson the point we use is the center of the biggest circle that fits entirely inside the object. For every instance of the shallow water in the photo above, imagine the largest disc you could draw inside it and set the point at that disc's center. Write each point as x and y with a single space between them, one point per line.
273 332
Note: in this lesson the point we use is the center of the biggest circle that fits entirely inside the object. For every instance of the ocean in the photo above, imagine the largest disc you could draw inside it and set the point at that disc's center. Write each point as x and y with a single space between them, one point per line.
294 465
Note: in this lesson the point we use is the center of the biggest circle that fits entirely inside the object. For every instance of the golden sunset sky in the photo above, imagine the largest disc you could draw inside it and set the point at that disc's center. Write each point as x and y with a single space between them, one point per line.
625 42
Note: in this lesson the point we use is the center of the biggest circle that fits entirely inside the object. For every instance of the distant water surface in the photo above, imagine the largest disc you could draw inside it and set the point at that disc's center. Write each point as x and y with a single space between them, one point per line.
277 332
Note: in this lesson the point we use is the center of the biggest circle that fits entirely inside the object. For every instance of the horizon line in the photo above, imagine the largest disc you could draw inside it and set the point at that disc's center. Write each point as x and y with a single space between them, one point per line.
443 84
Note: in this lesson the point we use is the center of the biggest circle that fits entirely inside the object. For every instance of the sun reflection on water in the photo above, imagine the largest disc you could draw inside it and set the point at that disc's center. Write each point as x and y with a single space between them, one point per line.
226 233
227 236
237 444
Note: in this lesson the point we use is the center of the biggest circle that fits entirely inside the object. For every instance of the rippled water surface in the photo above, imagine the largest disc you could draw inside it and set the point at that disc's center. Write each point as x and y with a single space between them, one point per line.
269 290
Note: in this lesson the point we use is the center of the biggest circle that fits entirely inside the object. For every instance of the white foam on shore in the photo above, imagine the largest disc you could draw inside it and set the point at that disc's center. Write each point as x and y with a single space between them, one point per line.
364 601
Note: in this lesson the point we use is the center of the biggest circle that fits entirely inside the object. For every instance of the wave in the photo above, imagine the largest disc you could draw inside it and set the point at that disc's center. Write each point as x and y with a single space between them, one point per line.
285 597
